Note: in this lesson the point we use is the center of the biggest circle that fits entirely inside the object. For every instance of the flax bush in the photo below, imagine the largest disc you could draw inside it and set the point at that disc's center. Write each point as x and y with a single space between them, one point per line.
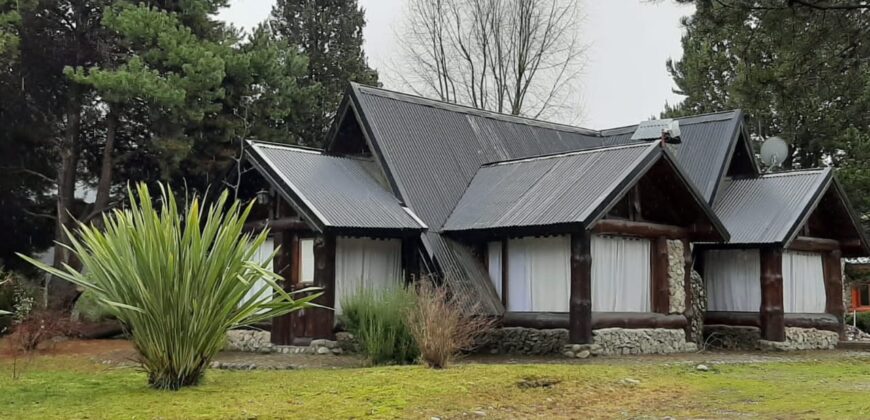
177 279
377 321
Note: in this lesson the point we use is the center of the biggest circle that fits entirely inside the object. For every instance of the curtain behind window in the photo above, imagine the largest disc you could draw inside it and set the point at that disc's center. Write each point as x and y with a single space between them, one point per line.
365 263
539 274
494 265
262 255
733 280
620 274
803 282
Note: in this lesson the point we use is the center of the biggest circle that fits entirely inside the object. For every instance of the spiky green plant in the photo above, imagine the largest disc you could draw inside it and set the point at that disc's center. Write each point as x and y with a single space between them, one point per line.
176 279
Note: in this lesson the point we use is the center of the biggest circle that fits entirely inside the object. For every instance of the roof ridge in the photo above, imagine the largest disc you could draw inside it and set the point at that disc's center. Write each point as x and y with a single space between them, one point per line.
469 110
294 147
565 154
703 118
793 172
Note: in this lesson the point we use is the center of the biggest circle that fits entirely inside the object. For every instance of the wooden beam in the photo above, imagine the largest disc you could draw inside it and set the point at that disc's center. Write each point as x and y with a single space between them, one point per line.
580 303
639 229
752 319
772 322
810 244
633 320
834 288
659 281
277 225
287 267
322 320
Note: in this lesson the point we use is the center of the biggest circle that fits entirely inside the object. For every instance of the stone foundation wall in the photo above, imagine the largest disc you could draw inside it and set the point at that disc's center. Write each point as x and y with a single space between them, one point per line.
606 341
676 277
699 308
253 341
749 338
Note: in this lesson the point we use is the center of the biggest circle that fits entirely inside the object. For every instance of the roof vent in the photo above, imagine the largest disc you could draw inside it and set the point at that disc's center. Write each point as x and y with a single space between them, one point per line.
667 130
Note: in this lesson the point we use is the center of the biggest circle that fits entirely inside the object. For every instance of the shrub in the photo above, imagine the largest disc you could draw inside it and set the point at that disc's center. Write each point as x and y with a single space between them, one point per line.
440 326
88 308
862 322
177 279
377 321
16 300
39 327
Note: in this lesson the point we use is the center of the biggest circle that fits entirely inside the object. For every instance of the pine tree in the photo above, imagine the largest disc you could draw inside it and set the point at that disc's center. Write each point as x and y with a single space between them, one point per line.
330 33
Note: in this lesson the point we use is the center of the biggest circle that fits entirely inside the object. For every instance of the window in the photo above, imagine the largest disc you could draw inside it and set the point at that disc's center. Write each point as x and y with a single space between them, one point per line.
803 283
494 265
262 255
306 260
733 280
365 263
620 274
538 274
863 294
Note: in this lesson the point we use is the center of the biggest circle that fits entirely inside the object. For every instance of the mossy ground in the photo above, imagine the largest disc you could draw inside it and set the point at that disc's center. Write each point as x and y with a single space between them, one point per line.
79 386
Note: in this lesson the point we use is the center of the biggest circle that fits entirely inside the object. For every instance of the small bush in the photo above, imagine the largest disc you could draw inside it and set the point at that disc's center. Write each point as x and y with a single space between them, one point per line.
440 326
377 321
88 308
39 327
863 321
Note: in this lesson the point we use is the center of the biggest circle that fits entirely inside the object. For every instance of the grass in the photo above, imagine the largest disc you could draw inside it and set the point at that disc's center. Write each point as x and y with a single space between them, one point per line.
77 387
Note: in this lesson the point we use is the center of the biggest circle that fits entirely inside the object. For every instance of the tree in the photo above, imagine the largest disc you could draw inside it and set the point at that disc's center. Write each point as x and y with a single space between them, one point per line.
520 57
800 72
330 33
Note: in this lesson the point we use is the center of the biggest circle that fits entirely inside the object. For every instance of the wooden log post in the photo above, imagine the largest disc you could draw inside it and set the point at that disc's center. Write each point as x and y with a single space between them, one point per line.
287 267
772 313
410 260
322 320
580 304
834 288
659 276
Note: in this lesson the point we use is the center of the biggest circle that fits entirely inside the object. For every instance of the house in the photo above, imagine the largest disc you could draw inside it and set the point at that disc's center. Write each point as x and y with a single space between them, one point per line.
542 225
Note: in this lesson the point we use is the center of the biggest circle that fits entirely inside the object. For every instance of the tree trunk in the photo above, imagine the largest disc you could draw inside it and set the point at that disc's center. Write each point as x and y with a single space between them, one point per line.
104 186
60 294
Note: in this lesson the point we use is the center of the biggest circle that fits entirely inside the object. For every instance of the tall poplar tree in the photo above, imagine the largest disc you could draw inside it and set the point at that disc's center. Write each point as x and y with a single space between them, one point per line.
330 33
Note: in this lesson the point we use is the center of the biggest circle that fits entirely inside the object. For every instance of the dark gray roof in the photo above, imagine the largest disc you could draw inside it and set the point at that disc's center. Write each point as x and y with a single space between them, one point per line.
708 142
331 192
769 209
557 189
431 150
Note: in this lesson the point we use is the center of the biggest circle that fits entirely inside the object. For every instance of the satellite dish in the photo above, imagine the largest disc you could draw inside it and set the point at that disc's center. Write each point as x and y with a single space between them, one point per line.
774 151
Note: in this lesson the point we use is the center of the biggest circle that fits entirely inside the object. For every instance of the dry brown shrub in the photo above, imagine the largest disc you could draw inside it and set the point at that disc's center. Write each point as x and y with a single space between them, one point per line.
441 326
39 327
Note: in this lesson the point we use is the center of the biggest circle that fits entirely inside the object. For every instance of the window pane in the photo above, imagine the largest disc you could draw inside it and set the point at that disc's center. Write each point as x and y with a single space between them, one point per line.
306 260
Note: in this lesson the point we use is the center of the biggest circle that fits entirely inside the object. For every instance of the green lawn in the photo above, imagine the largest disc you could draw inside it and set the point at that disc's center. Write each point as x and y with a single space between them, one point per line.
76 387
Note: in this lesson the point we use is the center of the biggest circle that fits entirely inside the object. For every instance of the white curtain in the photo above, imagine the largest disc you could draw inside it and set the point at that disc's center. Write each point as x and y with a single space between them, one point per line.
306 260
539 274
620 274
494 265
365 263
262 255
733 280
803 282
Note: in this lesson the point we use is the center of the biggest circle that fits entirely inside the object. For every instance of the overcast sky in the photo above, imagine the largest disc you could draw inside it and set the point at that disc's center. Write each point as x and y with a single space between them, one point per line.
624 80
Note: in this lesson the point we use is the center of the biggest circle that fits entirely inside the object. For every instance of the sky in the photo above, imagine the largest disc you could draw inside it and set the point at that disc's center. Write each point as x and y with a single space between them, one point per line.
624 80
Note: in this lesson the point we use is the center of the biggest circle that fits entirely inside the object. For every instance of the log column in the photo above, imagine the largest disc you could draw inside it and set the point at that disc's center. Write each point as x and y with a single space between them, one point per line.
772 314
580 304
660 282
322 320
834 288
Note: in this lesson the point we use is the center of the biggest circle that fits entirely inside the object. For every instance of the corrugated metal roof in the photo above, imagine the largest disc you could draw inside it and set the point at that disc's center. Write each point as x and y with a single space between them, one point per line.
768 209
336 192
707 144
431 150
559 189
